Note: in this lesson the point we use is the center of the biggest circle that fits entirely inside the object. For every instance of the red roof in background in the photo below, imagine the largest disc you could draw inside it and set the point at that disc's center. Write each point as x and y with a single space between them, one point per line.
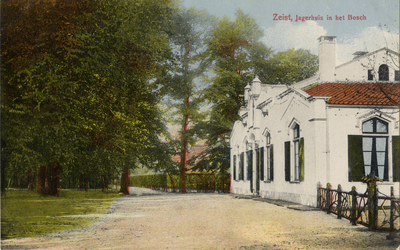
381 94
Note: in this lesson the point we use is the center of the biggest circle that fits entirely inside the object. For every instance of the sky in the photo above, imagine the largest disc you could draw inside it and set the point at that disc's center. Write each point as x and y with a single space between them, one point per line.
379 29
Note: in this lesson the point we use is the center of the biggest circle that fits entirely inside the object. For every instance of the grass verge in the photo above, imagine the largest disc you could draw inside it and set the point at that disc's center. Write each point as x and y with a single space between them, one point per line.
29 214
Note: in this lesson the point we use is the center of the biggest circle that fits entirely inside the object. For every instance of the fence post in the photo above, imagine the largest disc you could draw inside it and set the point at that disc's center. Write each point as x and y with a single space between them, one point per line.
372 204
339 206
328 198
353 214
391 233
318 195
392 209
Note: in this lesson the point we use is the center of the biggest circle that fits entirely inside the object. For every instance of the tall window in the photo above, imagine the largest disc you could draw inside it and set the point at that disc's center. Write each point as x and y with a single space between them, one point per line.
234 168
241 166
368 154
375 148
296 143
297 155
249 157
260 163
270 160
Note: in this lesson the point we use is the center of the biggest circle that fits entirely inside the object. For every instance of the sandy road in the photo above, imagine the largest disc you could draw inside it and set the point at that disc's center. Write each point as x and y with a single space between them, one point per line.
208 221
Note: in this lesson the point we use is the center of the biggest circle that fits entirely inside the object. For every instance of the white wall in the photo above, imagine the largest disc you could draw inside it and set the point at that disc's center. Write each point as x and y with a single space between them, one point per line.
357 69
346 121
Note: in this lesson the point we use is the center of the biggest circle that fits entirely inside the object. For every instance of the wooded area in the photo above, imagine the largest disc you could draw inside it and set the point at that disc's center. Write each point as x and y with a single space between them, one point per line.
89 88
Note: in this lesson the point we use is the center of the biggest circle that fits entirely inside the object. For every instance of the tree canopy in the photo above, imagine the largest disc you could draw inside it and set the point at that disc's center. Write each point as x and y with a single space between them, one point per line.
83 82
77 83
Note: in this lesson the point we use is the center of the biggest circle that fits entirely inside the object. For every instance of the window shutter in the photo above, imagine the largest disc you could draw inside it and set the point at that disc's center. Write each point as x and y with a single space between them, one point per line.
301 152
258 162
262 163
396 158
241 174
287 161
271 162
234 167
249 164
356 162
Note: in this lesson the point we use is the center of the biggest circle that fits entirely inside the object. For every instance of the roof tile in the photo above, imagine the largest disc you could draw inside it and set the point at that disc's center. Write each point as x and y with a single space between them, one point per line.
381 94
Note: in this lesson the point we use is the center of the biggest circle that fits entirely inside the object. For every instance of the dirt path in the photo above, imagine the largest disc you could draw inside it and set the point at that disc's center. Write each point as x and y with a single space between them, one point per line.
209 221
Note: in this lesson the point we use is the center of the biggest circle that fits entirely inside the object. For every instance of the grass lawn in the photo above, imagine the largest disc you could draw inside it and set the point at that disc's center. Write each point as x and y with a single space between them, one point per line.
29 214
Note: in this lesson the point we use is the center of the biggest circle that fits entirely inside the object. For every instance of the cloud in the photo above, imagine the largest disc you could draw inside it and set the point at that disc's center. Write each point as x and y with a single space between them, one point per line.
288 35
369 39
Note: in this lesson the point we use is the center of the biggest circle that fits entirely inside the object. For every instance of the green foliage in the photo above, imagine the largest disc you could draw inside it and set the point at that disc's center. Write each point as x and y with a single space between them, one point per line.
91 103
29 214
289 67
194 181
160 180
237 54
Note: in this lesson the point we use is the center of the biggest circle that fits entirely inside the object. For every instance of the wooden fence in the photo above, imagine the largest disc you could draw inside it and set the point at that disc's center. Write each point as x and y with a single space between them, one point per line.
372 208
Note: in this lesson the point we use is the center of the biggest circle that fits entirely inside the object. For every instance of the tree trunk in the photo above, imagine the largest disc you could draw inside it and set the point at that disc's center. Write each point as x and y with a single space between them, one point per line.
87 181
33 181
22 181
104 183
42 175
80 182
126 182
54 187
185 130
29 179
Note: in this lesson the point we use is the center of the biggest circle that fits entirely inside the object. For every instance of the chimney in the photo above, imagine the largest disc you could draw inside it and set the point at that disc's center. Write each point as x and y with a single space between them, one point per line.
327 58
247 93
359 53
256 87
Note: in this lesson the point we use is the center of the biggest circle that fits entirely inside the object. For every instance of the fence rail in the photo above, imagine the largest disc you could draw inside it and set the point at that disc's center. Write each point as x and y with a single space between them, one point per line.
372 209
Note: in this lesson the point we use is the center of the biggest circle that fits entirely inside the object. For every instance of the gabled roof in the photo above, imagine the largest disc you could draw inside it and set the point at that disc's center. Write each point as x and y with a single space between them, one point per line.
367 55
377 94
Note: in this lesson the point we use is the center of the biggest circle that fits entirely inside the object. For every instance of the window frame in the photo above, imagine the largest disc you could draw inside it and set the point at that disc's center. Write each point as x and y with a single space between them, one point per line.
268 159
296 153
365 151
373 152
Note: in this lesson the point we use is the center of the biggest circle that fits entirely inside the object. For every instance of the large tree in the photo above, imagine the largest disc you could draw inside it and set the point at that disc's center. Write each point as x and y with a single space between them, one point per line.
77 83
188 30
237 55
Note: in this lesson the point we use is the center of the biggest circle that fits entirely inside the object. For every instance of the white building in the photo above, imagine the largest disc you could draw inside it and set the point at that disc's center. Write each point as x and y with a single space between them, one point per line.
336 127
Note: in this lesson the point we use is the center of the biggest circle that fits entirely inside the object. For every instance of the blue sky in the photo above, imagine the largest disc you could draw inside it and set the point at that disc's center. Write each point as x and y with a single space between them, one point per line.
380 29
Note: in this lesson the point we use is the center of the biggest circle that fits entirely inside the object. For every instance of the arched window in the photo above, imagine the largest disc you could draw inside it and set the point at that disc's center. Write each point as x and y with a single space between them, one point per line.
375 126
296 157
383 73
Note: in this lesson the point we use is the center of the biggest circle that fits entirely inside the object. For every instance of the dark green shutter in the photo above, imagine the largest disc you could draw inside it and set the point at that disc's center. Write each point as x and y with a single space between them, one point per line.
287 161
301 152
396 158
271 162
234 167
262 164
249 155
241 174
356 162
258 162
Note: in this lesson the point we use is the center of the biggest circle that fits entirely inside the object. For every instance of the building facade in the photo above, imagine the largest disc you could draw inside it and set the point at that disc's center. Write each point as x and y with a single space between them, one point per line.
336 127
